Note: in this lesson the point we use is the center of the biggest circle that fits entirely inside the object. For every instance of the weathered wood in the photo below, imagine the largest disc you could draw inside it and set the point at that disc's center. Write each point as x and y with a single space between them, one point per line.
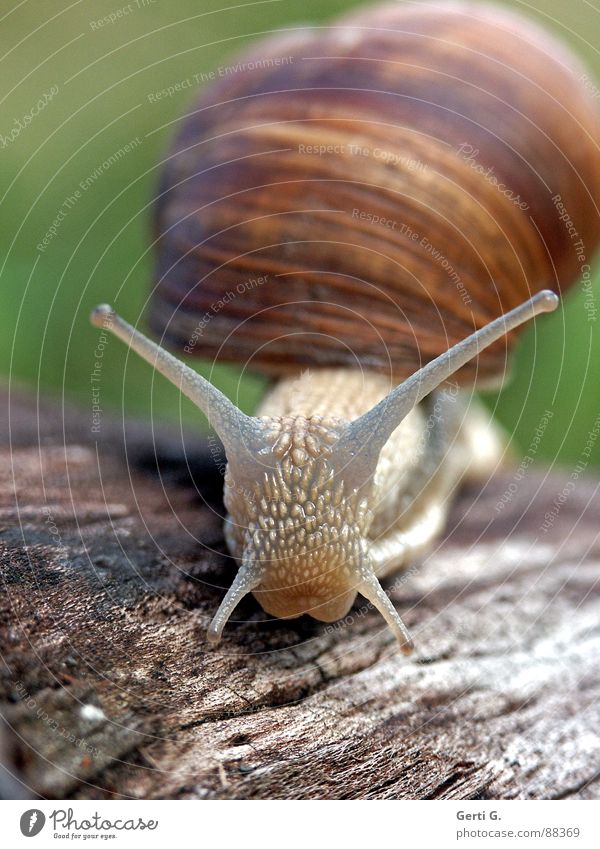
112 565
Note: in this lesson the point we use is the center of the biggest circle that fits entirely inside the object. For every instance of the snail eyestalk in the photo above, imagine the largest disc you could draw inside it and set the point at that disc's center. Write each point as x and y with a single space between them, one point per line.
232 426
362 442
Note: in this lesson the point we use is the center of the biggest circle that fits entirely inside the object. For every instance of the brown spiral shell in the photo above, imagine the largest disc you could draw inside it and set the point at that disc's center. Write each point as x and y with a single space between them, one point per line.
367 193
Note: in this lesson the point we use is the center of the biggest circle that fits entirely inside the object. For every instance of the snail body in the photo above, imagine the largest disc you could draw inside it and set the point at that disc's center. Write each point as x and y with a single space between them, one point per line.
304 491
272 252
328 535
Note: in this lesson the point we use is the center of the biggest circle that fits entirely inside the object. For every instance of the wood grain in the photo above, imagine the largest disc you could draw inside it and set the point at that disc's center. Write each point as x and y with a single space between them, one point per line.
113 560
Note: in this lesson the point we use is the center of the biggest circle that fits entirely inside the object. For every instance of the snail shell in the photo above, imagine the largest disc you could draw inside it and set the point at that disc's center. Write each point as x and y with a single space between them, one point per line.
368 193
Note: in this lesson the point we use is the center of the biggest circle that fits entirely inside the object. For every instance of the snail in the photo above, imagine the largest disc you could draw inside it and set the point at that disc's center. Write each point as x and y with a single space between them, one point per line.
363 211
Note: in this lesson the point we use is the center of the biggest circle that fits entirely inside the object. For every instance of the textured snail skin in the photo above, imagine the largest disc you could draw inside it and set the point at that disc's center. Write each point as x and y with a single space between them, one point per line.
461 114
312 530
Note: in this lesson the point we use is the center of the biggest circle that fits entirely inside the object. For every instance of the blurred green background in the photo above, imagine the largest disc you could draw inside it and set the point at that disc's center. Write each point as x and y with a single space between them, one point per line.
101 76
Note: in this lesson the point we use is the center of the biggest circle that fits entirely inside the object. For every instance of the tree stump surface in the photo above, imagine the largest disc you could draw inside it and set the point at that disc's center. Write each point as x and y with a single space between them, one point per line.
113 562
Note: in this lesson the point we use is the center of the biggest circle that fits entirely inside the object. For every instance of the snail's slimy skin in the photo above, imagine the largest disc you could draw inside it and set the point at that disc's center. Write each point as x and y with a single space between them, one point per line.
302 525
314 536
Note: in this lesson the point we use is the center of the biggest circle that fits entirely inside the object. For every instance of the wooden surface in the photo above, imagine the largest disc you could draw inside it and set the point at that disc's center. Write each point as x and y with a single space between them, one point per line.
112 564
